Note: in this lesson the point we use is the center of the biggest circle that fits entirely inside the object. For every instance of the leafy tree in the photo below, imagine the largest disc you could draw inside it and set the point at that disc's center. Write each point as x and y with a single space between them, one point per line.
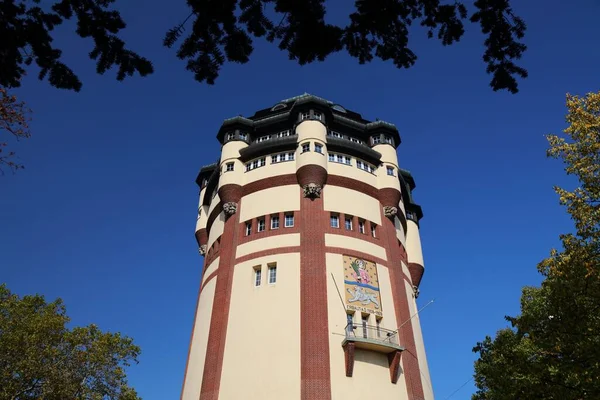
552 350
222 30
40 358
14 118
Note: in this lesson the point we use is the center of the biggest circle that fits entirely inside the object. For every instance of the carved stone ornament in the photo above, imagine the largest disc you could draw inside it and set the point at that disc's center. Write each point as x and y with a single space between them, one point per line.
202 250
230 208
312 190
390 211
415 292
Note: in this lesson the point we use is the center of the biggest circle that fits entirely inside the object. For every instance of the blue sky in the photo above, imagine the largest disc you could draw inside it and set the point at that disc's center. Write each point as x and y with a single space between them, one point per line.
104 214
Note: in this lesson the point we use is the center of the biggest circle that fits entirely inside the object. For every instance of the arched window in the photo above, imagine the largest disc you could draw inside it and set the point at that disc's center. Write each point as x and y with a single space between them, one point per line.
279 106
339 108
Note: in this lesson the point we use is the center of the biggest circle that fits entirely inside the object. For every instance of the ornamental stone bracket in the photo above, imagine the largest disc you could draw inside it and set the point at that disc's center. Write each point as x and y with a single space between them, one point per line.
312 190
415 292
202 250
390 211
230 208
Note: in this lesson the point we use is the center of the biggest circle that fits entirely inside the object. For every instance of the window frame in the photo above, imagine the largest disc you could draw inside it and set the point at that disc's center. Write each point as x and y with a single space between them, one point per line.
272 274
305 147
248 229
228 165
285 220
334 218
274 221
257 276
348 222
318 148
373 230
361 227
390 170
261 225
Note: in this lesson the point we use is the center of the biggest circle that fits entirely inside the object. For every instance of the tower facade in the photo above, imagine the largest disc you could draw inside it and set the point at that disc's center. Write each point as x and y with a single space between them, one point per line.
312 261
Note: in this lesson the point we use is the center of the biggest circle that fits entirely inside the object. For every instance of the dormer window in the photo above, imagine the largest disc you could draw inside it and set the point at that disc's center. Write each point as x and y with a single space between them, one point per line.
318 116
376 139
231 136
304 115
243 136
263 138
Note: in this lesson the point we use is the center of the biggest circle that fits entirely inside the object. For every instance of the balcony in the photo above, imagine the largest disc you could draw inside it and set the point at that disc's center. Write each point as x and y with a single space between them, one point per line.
372 338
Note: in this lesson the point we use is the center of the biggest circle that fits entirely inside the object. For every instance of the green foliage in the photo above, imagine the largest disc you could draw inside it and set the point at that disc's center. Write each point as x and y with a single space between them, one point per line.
26 31
42 359
552 350
221 31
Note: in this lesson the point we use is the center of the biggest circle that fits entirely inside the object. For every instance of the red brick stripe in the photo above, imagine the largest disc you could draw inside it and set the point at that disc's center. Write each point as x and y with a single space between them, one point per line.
208 279
314 330
215 348
412 373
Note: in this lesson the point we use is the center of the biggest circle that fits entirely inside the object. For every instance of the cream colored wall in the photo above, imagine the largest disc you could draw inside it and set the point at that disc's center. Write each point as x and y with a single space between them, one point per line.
309 129
195 367
405 270
388 154
270 170
350 171
400 231
371 377
231 150
216 229
420 345
387 181
270 201
201 219
262 347
354 244
311 157
348 201
292 239
413 244
210 269
213 204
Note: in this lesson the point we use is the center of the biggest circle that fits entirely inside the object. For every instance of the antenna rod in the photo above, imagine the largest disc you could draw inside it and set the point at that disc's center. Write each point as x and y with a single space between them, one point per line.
422 308
338 290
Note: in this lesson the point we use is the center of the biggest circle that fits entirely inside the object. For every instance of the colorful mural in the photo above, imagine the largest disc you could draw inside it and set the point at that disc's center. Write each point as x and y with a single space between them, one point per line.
361 286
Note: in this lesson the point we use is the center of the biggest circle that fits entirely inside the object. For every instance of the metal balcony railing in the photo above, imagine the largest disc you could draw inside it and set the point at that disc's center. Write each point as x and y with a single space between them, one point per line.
373 334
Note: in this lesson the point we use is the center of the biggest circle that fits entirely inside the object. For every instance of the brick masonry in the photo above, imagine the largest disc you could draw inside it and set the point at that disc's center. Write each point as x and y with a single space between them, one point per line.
314 329
215 349
312 222
412 372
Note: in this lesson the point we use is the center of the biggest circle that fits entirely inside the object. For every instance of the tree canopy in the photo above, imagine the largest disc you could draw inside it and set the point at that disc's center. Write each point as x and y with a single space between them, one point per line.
41 358
222 30
552 350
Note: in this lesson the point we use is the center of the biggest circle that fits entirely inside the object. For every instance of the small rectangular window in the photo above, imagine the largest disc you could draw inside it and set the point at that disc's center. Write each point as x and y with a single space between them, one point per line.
348 223
334 221
229 167
231 136
376 139
361 227
284 133
248 228
390 171
243 135
317 115
261 225
373 230
318 148
289 220
305 147
272 274
378 324
263 138
257 276
387 139
275 222
331 157
304 115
